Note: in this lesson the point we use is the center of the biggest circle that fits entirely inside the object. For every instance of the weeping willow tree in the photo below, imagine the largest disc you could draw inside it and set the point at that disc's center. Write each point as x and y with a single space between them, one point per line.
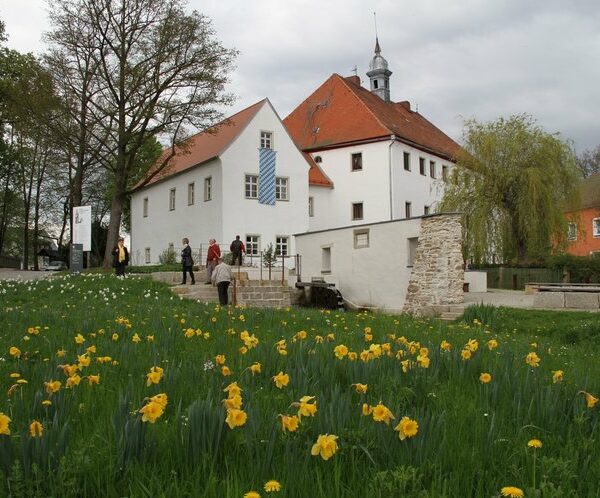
513 182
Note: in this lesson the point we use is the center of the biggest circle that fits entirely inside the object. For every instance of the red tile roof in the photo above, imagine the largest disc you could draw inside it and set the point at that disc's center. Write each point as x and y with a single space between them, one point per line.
207 144
316 176
341 112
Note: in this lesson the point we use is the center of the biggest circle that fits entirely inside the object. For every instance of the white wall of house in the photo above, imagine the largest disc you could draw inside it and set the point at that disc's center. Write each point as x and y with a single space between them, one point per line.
371 185
198 221
374 276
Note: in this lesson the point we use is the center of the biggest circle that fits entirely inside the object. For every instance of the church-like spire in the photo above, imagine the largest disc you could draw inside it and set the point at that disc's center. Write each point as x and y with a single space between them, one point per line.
379 74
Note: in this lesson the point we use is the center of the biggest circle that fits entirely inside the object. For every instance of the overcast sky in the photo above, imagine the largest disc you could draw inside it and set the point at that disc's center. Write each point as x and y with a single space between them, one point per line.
456 59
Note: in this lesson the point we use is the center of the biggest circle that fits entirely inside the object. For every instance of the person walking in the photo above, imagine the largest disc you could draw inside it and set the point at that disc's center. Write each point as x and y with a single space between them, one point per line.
187 261
212 259
222 277
120 257
237 248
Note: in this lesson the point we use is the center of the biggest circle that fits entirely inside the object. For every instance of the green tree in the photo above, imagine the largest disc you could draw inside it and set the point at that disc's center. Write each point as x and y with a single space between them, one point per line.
512 181
589 161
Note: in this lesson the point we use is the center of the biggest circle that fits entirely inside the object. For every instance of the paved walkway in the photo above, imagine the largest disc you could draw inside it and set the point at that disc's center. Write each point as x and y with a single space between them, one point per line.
501 297
11 273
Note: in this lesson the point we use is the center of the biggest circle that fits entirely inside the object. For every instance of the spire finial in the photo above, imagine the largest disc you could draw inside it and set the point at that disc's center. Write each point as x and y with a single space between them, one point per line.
377 48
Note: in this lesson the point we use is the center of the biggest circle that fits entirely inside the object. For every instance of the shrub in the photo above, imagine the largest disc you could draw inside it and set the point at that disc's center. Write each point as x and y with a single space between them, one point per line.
168 257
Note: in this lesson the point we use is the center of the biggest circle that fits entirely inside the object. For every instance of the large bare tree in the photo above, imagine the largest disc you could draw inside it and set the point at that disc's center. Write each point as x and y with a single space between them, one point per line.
158 71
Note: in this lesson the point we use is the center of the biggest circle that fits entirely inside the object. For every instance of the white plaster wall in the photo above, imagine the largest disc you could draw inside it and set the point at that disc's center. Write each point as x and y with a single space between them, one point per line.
477 281
197 222
243 216
376 276
372 185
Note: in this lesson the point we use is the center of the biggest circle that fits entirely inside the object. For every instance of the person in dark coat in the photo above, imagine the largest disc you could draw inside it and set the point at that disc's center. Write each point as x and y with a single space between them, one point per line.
187 262
237 248
120 256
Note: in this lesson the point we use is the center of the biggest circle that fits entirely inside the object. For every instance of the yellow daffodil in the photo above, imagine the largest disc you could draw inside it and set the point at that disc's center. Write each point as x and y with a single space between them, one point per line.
220 359
466 354
233 390
154 376
4 424
407 428
326 446
589 399
136 338
225 371
46 403
151 411
73 381
485 378
382 413
79 339
512 492
281 380
361 388
557 376
15 352
93 379
305 407
289 423
340 351
352 356
492 344
532 359
423 361
233 402
255 368
472 345
84 360
161 399
235 418
366 410
445 346
36 429
52 386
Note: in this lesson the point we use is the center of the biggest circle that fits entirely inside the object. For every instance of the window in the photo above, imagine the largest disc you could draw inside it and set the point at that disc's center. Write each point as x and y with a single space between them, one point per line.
266 140
357 161
208 188
413 243
407 161
361 239
281 246
445 173
172 199
311 206
191 196
357 210
432 169
145 208
251 187
407 209
147 254
572 231
318 159
253 244
281 189
422 165
426 210
375 84
326 260
596 227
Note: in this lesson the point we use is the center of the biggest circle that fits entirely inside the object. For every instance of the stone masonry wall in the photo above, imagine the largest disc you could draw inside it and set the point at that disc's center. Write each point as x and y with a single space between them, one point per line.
268 294
437 275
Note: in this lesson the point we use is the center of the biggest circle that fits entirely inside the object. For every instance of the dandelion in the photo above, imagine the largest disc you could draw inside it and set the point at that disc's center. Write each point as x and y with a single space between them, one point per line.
361 388
532 359
485 378
4 424
235 418
557 376
289 423
381 413
36 429
272 486
154 376
326 446
407 428
534 443
512 492
46 403
281 380
252 494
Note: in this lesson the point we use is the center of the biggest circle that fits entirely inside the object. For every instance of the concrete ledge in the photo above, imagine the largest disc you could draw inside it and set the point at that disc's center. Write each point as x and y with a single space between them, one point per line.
550 300
582 300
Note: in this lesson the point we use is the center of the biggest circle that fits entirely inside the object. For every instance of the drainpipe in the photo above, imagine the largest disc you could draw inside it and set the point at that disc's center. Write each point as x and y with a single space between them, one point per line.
392 140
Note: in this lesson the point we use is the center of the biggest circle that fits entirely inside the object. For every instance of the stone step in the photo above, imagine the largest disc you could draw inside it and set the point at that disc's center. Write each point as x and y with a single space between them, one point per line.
450 316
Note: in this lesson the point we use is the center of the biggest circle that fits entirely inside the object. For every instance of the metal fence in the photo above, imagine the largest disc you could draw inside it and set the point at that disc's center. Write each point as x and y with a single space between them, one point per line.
516 278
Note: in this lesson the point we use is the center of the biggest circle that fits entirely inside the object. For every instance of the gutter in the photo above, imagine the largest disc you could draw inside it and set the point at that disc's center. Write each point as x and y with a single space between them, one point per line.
392 140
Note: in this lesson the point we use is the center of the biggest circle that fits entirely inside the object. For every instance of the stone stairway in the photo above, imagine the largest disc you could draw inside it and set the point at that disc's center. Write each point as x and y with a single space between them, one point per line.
199 292
449 312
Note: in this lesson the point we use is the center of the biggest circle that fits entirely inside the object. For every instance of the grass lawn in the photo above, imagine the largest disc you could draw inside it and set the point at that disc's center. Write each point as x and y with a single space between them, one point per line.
116 345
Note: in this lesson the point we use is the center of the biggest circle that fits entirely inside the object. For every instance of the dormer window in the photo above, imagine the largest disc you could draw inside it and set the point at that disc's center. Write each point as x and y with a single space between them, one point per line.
266 140
318 159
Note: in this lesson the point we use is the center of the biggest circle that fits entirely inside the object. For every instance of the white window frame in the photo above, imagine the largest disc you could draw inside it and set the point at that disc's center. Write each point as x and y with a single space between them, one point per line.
252 248
362 204
282 186
147 255
191 193
208 189
172 198
250 185
596 233
360 241
571 231
266 139
145 207
326 259
282 243
311 207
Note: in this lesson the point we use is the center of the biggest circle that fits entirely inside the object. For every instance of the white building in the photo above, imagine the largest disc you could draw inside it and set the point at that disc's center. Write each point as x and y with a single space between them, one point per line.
212 191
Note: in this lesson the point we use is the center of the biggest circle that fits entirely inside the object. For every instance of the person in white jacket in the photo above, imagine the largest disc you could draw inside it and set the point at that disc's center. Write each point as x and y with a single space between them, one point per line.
221 277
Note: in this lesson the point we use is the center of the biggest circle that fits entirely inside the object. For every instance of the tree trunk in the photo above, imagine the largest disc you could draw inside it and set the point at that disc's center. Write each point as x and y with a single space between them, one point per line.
36 209
4 217
66 213
116 210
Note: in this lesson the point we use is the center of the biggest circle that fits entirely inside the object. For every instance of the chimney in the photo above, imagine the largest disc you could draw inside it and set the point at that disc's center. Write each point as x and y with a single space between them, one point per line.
405 104
353 79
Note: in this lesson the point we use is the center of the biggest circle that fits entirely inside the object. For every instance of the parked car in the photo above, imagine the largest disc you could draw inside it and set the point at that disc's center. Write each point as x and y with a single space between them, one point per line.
55 266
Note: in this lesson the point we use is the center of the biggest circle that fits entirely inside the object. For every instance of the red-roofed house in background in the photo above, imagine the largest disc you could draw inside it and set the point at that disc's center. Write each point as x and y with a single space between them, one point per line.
583 237
384 160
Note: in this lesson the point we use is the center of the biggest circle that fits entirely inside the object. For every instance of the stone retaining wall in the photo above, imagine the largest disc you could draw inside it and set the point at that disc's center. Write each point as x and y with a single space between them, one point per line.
437 275
265 294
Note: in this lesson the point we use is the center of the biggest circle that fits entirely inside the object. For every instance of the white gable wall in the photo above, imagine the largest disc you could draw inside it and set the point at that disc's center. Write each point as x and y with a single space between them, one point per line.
243 216
197 222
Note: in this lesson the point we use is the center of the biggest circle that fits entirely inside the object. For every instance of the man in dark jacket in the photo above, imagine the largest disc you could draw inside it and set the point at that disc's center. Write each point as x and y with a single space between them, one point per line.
186 261
237 248
120 257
